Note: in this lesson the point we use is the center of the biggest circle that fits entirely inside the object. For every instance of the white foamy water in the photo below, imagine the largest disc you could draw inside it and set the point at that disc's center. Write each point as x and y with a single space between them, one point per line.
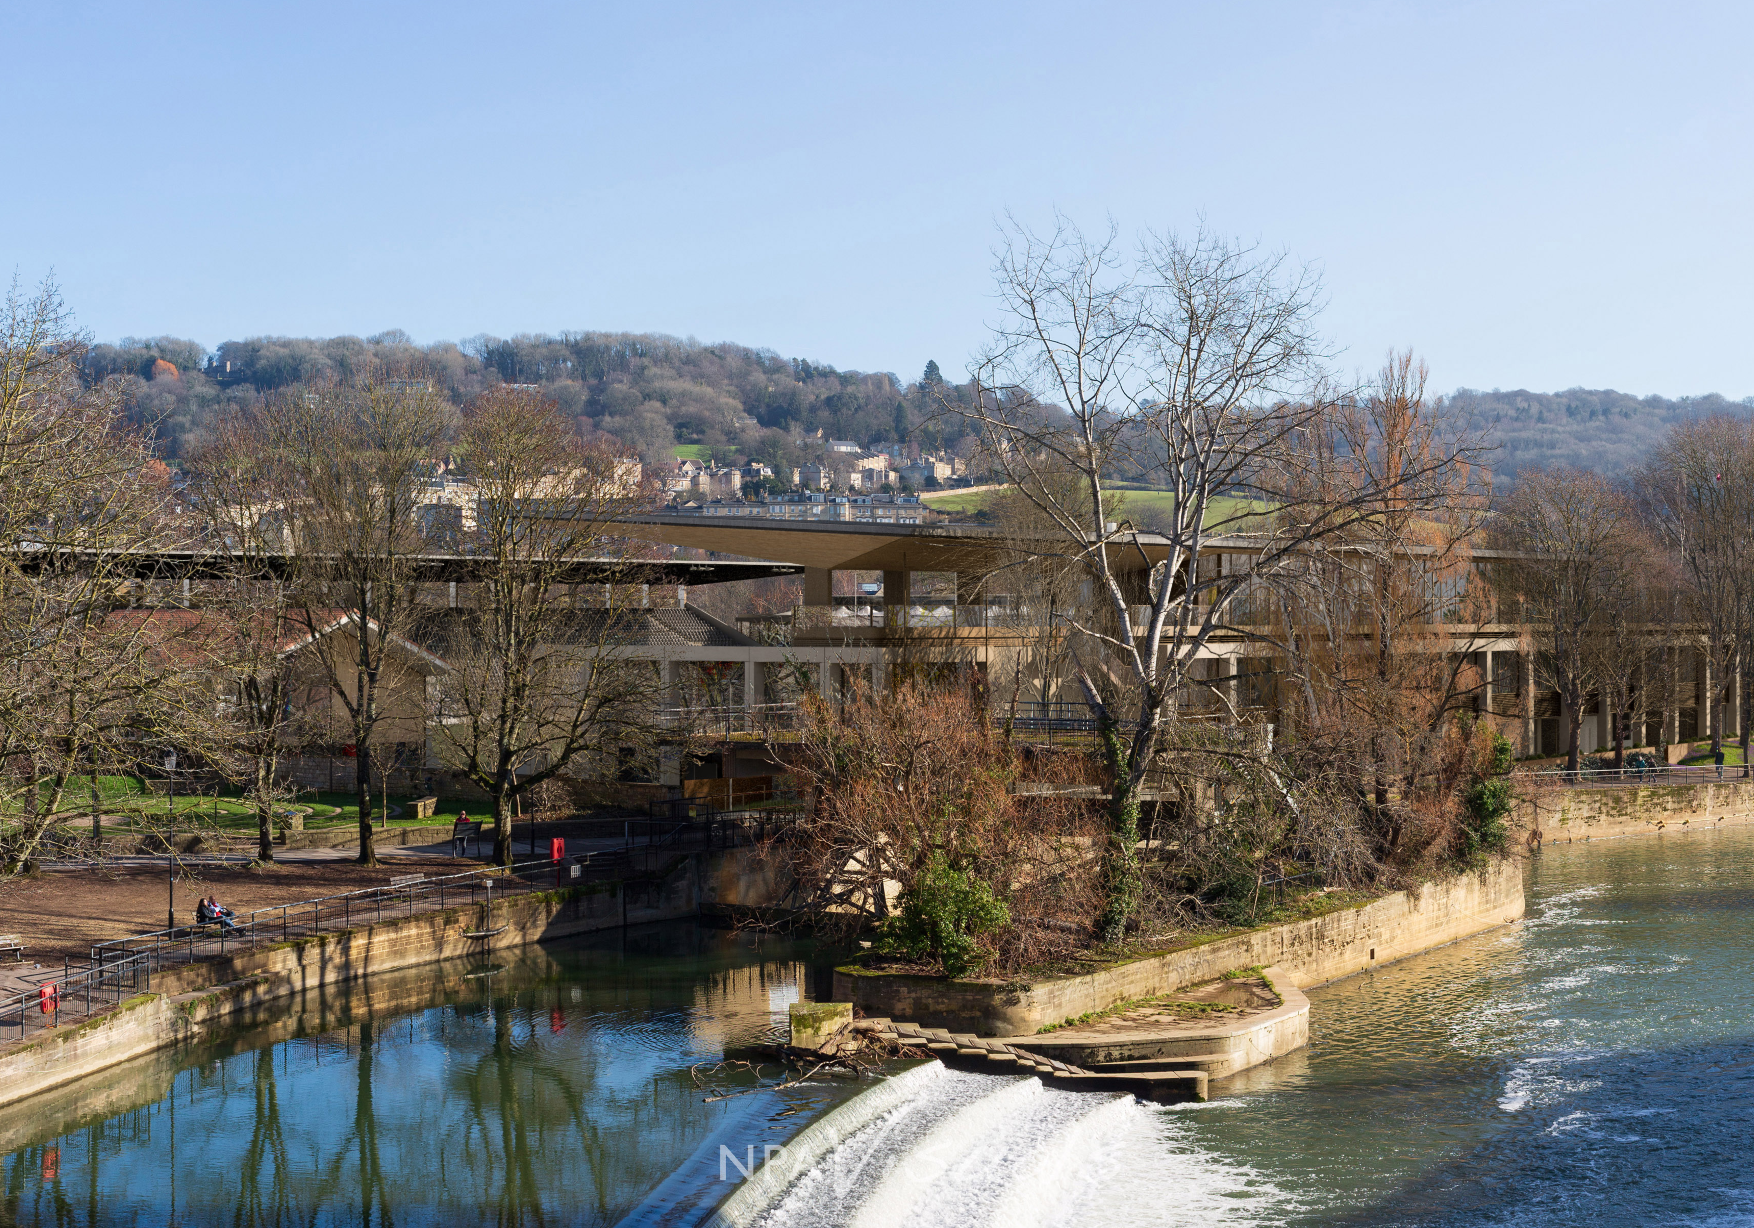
982 1149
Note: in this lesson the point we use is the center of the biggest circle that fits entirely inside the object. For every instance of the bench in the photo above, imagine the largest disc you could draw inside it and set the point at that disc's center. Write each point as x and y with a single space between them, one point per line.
467 831
11 944
407 880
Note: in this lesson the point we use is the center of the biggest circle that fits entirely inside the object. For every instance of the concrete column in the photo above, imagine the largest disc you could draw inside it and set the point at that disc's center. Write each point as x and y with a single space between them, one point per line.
896 596
669 675
818 586
754 684
1733 704
1485 701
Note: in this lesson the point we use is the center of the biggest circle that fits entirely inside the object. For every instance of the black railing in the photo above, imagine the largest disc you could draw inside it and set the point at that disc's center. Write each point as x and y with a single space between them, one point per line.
1645 774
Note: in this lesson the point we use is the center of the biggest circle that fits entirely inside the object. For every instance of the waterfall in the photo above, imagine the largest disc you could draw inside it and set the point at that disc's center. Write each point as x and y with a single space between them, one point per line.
962 1149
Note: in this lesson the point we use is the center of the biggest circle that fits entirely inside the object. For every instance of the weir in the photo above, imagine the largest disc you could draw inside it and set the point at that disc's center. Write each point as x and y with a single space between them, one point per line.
1602 1034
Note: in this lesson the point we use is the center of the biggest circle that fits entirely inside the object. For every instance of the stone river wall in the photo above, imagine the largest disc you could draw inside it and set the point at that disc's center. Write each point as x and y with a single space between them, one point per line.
192 1002
1311 952
1563 815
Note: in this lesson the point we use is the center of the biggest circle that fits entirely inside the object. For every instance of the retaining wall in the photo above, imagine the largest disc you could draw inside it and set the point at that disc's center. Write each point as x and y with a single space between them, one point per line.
1310 952
187 1003
1563 815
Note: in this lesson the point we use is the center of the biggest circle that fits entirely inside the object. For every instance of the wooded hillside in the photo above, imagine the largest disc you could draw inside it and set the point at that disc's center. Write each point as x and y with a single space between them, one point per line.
654 392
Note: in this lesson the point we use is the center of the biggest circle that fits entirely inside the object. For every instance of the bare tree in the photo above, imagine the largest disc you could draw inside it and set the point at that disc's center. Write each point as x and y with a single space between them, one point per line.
346 465
1193 365
84 689
265 697
1576 531
1698 492
537 686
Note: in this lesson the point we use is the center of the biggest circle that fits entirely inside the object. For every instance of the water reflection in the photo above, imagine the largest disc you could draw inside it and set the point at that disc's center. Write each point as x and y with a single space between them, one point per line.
550 1086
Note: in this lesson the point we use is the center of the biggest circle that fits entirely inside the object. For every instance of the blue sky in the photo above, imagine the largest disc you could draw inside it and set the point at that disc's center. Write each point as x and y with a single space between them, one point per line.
1531 195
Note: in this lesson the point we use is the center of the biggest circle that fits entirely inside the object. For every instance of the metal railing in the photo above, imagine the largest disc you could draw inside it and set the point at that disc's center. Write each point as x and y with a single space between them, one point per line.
102 985
121 967
1648 774
124 966
732 720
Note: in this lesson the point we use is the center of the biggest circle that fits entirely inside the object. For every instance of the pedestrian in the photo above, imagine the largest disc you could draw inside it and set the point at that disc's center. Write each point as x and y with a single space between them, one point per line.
460 834
1717 757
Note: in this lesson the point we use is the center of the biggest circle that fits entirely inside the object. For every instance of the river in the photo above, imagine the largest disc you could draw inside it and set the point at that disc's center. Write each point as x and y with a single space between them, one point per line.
1593 1064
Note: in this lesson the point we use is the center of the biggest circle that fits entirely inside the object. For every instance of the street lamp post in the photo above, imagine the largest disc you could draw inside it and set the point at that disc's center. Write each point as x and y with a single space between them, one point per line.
170 849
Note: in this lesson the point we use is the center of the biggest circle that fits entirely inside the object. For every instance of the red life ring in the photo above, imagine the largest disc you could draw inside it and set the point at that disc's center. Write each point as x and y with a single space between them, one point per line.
49 998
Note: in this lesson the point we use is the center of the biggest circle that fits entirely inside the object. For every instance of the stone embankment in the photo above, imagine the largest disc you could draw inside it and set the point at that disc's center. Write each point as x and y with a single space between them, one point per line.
200 999
1308 953
1566 813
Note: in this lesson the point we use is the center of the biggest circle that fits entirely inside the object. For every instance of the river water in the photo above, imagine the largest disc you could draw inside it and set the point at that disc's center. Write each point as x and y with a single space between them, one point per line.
1593 1064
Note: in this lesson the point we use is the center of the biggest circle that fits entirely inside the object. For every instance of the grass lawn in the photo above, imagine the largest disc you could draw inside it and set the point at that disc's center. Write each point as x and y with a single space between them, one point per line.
127 795
1732 756
693 451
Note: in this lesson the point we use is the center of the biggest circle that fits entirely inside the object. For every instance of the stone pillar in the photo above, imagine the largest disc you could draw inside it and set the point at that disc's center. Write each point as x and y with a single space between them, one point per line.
1526 663
896 596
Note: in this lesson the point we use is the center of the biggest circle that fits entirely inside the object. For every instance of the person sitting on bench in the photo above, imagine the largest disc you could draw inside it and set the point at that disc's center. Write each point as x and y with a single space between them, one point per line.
217 912
460 834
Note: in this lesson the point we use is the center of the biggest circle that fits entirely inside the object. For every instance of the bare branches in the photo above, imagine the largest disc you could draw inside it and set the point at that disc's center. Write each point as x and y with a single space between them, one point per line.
1197 367
83 690
535 685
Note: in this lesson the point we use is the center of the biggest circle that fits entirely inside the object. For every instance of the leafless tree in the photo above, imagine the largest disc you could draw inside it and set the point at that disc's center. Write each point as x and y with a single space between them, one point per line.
266 698
1698 493
537 686
86 686
1193 364
1577 533
346 465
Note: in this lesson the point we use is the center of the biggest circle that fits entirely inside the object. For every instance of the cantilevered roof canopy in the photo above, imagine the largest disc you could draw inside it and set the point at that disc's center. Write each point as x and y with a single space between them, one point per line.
862 547
836 547
424 568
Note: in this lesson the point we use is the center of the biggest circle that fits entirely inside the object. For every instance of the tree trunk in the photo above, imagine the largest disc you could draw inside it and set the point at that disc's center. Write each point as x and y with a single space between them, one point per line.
502 828
1120 861
264 809
362 792
1620 714
1575 728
